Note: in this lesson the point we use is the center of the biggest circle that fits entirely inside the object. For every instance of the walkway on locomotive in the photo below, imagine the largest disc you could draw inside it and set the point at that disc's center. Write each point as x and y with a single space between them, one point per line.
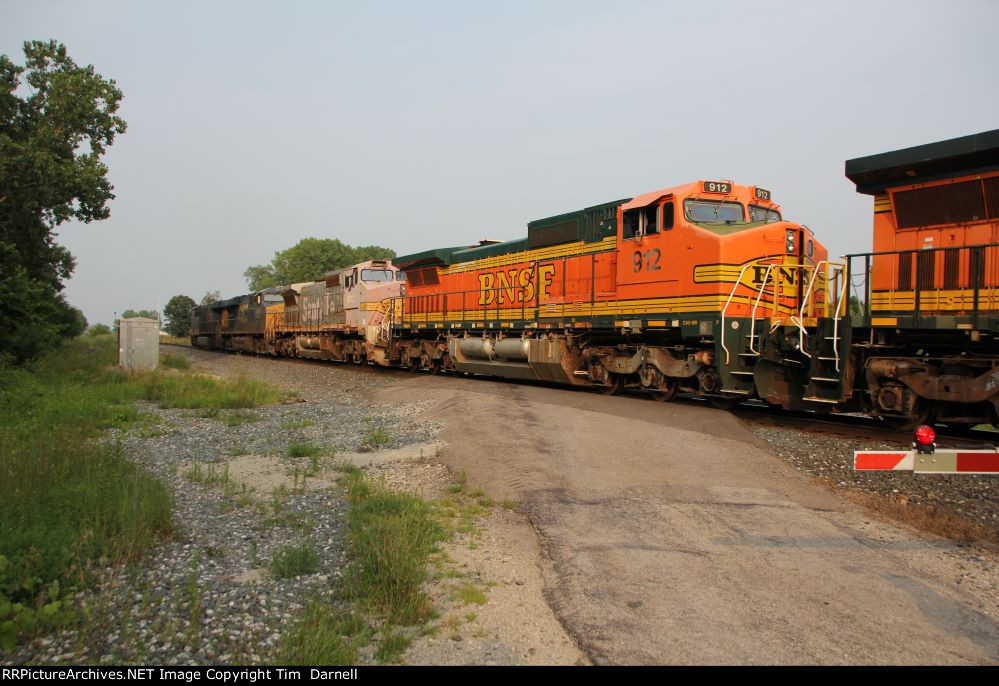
675 251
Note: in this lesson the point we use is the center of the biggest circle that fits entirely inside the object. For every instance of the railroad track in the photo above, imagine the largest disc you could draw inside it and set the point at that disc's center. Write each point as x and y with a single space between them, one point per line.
846 426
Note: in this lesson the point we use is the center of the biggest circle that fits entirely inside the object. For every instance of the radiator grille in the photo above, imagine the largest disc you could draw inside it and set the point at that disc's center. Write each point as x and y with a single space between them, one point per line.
992 196
955 202
952 269
905 271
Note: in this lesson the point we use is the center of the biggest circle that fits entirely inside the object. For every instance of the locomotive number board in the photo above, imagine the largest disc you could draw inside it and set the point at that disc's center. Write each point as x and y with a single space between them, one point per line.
717 187
762 194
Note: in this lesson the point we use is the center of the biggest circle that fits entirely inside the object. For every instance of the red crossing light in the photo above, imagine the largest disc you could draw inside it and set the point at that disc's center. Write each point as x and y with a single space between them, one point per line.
925 435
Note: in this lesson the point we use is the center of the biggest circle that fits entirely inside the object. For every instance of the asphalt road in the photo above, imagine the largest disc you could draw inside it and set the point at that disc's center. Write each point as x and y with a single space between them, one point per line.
672 535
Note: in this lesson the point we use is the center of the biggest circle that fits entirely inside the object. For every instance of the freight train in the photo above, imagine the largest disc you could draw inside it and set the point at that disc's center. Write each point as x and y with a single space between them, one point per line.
703 288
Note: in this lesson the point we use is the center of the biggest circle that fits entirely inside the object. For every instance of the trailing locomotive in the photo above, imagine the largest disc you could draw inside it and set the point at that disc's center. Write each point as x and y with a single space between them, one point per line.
925 348
339 317
921 337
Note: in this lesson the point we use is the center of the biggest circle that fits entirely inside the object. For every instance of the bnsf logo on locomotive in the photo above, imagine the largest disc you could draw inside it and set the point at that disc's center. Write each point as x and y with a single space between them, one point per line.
515 286
788 274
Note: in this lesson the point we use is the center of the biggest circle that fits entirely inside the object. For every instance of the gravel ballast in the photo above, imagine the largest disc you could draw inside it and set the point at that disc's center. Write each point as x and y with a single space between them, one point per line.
973 496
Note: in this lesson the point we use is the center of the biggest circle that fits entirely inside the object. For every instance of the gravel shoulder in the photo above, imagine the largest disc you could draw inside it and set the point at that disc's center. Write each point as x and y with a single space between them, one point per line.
209 595
830 459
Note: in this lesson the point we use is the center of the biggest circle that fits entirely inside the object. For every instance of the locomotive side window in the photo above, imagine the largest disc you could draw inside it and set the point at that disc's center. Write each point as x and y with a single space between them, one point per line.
668 212
763 214
632 219
644 221
650 225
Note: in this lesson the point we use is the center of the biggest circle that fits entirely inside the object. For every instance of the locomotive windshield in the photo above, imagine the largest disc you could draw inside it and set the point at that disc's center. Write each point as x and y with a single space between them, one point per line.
376 275
713 211
763 214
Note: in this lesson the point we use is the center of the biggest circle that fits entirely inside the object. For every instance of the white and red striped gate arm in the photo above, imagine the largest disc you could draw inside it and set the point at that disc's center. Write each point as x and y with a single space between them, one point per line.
942 461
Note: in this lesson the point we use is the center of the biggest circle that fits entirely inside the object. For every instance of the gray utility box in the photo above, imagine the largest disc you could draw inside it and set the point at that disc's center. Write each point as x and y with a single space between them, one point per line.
138 343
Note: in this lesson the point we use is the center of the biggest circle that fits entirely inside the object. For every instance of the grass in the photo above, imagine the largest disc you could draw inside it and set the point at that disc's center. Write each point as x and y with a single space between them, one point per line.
391 647
69 503
240 417
303 449
376 437
193 391
174 360
296 560
458 487
470 594
325 635
176 340
391 537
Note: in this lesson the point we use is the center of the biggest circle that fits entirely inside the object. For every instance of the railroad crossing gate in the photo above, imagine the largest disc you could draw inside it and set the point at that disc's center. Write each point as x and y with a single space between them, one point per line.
138 343
942 461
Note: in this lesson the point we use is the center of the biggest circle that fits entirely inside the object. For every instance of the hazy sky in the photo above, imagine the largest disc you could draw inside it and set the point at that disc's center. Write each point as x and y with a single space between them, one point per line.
426 124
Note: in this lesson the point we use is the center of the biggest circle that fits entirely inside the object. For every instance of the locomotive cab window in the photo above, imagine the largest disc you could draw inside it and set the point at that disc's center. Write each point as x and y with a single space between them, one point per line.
376 275
714 212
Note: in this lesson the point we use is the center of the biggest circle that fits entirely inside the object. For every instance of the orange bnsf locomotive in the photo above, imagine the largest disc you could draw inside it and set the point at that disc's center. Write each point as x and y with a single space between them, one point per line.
669 290
925 343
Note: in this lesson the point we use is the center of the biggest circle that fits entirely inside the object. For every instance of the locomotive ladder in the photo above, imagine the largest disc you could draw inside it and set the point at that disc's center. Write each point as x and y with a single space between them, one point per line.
834 272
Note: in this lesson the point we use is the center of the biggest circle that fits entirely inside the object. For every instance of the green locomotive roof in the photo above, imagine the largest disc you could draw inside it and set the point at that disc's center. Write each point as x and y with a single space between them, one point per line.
491 250
438 256
955 157
589 224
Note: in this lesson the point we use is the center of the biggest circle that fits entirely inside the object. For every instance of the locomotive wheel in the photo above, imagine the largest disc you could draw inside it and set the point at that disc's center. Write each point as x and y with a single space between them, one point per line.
667 391
435 366
615 386
356 357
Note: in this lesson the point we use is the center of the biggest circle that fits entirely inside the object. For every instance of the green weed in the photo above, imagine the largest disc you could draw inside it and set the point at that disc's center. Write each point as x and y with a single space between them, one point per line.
294 561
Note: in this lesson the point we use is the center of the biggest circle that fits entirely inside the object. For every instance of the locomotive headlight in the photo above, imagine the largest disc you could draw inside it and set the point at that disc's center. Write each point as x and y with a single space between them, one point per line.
789 241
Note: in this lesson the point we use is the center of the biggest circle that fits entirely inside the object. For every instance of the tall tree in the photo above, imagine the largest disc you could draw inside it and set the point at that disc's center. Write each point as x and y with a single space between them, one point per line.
177 314
309 259
51 142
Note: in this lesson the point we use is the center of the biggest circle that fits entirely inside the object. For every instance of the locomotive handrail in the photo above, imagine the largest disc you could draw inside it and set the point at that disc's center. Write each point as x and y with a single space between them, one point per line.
809 294
763 287
978 257
738 282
